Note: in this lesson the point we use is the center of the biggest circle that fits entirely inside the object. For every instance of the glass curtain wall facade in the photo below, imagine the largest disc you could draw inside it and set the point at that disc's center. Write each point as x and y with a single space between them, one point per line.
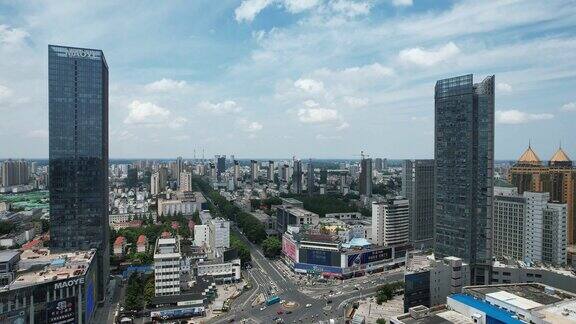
78 153
464 162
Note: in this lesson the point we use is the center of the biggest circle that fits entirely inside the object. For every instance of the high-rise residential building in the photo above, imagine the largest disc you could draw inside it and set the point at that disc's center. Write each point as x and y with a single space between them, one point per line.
310 178
464 163
155 187
220 166
14 173
378 164
78 153
554 238
254 170
297 177
365 181
178 168
163 175
167 272
390 221
418 188
557 177
185 181
509 224
270 171
528 228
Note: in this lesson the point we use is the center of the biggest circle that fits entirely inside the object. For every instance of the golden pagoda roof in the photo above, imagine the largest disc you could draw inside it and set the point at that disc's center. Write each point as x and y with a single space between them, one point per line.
560 156
529 157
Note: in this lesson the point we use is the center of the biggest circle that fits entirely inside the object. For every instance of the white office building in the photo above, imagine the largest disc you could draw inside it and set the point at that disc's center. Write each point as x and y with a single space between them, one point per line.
167 258
155 184
390 220
201 235
219 234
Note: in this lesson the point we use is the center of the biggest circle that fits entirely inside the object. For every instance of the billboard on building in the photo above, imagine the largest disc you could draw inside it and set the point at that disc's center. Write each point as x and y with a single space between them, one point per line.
316 269
320 257
369 256
289 249
61 311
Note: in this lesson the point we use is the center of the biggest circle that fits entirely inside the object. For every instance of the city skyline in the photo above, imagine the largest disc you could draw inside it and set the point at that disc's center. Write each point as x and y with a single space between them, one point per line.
250 71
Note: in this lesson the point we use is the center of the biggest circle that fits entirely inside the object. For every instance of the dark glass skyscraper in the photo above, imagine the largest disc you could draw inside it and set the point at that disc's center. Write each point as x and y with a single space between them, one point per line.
78 126
418 188
464 158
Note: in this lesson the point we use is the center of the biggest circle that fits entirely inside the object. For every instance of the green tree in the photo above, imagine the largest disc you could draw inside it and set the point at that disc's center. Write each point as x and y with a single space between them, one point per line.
134 293
381 321
272 247
241 248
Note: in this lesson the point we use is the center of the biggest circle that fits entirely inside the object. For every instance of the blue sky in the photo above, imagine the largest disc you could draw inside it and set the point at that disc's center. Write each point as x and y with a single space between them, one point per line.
310 78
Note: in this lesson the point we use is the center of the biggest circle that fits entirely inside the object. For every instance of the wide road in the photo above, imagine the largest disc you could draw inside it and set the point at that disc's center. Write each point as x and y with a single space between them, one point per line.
271 279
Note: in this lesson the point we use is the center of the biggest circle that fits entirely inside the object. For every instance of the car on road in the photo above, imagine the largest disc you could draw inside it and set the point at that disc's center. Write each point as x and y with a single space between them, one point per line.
288 312
308 305
279 312
262 308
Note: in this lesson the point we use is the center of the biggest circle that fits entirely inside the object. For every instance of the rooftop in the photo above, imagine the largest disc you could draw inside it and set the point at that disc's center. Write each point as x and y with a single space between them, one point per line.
483 306
435 315
521 295
7 255
41 266
529 157
560 313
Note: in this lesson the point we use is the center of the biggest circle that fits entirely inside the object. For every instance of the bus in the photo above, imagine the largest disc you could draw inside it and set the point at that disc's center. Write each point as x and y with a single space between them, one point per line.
273 300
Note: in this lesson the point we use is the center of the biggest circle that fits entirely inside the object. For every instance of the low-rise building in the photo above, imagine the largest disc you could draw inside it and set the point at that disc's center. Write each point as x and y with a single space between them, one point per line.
120 246
142 244
220 271
289 215
202 235
130 224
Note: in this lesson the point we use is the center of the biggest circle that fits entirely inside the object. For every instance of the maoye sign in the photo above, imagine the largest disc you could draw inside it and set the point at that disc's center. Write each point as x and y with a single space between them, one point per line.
69 283
77 53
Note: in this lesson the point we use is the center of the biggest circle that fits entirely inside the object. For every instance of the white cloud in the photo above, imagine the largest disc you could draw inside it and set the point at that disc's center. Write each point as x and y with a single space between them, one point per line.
249 126
150 114
296 6
249 9
317 115
221 108
165 85
309 85
5 93
422 57
400 3
571 106
311 103
503 87
12 36
351 8
356 102
322 137
514 116
37 133
181 138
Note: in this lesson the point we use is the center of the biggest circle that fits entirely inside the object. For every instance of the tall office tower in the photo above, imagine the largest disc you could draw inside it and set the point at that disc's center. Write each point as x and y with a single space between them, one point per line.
185 181
297 177
554 240
220 166
213 173
155 187
390 221
167 257
378 164
254 170
163 175
236 173
270 171
323 176
558 178
464 157
310 178
509 224
15 172
78 153
178 168
418 188
365 182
